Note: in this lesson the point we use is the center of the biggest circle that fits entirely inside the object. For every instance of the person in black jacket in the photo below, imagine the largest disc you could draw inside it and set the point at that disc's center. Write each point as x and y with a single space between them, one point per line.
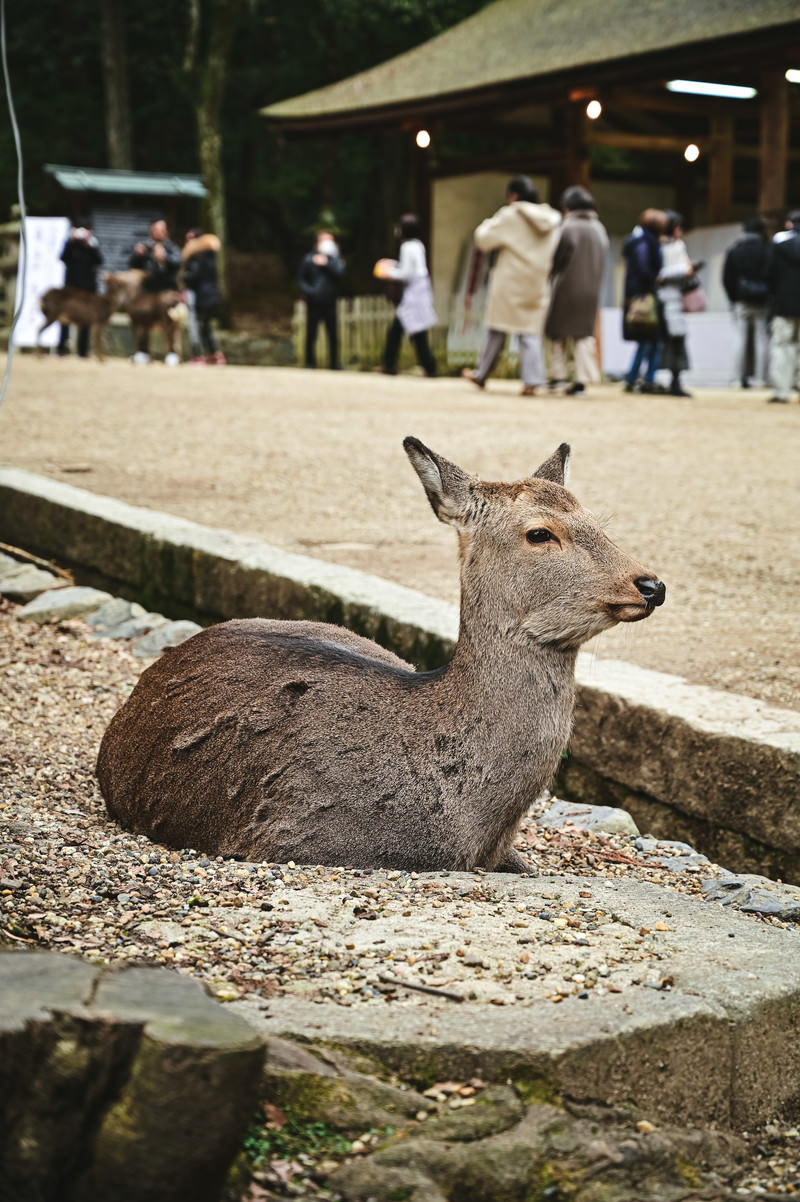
320 279
744 278
203 296
159 259
81 257
783 276
642 253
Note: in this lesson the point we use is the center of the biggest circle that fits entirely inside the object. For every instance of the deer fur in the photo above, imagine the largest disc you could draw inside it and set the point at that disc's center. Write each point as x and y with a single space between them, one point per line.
74 306
278 741
146 309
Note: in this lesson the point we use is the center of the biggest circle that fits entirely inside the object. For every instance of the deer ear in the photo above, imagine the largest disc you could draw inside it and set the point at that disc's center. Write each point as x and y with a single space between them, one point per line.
447 486
556 468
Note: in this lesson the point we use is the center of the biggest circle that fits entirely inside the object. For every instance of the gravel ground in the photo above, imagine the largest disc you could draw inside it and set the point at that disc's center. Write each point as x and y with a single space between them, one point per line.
72 880
706 492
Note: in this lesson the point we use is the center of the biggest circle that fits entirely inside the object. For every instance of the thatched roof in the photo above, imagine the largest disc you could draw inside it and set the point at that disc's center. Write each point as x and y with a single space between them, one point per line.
530 41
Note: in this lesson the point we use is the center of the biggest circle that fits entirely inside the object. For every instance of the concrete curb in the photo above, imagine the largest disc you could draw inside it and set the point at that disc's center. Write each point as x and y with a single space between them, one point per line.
721 770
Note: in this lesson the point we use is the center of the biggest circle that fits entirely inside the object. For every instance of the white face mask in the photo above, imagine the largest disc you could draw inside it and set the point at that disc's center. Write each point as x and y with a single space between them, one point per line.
326 246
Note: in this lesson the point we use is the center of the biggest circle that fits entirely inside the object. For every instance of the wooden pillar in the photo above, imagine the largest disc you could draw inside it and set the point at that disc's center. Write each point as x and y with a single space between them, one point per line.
720 171
774 143
569 134
577 152
421 191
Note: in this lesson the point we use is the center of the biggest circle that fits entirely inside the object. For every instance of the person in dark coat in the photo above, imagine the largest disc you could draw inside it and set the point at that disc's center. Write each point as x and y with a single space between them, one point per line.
320 279
744 278
81 258
783 276
642 253
203 296
575 281
159 258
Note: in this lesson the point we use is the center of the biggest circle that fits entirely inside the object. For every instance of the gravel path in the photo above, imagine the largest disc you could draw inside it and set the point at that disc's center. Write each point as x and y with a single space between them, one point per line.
706 491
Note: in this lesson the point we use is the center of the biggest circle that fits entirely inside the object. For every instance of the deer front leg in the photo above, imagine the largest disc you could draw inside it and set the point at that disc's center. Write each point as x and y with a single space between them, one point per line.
98 333
514 862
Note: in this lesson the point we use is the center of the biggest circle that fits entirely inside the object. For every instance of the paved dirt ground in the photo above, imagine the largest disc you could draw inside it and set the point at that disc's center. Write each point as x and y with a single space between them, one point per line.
705 491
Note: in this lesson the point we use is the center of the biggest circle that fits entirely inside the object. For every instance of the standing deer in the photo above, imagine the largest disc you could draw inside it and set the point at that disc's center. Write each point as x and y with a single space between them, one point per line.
273 740
74 306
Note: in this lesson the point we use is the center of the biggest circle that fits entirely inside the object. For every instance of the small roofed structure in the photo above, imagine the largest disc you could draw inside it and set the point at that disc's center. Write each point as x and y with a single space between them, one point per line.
121 204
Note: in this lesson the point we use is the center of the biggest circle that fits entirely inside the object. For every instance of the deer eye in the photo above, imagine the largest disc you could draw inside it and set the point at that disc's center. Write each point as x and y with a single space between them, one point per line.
540 536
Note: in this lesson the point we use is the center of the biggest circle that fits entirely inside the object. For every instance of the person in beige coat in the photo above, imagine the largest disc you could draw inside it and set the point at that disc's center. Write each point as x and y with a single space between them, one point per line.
525 235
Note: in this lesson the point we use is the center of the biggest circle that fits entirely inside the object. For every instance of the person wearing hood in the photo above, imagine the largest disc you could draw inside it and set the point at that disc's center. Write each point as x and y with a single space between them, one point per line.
744 278
524 235
201 282
577 276
783 276
320 279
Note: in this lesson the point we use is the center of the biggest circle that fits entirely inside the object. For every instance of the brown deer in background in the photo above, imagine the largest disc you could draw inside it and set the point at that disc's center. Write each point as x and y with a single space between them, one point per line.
274 740
146 310
74 306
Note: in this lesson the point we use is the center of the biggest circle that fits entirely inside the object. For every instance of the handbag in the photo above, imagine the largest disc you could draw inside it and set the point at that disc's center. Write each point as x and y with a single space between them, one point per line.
694 301
642 318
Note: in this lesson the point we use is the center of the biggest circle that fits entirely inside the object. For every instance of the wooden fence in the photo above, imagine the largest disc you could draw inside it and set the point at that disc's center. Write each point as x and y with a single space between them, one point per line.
363 322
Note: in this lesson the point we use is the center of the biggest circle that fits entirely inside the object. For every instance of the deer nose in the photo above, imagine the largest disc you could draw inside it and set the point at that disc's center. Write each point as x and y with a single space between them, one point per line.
652 591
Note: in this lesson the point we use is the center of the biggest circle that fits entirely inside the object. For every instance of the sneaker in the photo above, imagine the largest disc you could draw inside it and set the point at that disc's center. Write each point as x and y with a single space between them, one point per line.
575 389
171 359
468 374
528 390
636 386
140 358
778 400
219 359
197 361
678 391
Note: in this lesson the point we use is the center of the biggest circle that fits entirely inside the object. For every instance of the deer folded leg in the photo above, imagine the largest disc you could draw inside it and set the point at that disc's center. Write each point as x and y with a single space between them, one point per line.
514 862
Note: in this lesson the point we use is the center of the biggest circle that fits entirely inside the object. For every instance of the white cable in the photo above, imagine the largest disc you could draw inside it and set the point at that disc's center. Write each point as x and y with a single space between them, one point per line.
20 290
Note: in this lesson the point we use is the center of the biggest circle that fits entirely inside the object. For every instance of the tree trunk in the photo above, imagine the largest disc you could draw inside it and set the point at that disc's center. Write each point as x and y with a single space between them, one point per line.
208 95
115 75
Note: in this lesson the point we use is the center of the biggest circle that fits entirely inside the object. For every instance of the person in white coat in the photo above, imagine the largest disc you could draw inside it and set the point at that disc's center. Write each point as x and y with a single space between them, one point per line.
676 269
524 233
415 313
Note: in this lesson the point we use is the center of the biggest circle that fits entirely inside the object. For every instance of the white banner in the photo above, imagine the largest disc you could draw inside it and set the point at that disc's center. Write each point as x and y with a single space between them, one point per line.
45 241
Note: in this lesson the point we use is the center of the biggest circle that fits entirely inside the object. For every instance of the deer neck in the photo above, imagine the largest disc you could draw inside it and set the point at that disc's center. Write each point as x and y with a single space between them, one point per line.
515 676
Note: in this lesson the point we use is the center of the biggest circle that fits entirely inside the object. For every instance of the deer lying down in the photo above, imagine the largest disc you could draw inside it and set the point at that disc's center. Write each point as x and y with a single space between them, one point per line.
301 741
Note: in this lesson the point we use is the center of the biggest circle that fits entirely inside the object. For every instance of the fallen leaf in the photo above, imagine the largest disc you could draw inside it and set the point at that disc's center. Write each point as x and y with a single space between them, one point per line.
276 1119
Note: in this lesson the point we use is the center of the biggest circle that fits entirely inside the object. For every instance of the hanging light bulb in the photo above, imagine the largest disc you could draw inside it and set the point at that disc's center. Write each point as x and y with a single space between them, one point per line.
423 139
593 109
691 153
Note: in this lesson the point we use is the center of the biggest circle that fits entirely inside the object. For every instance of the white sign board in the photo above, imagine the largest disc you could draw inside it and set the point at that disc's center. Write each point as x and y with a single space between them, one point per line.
45 238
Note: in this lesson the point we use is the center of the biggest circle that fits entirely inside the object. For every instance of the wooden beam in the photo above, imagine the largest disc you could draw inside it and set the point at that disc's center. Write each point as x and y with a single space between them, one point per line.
662 101
720 171
774 143
660 143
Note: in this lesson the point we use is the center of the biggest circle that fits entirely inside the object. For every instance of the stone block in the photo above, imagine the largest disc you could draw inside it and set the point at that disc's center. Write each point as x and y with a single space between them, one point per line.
608 819
61 604
167 634
21 580
128 1083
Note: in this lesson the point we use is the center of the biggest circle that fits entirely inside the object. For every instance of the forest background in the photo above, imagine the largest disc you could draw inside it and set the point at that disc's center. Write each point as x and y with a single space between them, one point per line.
177 87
